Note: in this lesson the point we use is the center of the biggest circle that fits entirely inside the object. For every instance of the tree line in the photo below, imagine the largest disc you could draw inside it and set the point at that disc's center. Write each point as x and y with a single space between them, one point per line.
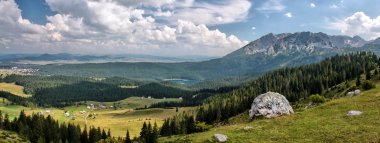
62 91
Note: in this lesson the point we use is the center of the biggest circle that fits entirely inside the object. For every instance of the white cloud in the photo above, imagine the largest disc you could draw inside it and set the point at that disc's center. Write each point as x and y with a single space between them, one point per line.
153 3
312 5
227 11
334 6
358 24
272 6
160 13
201 35
253 28
288 14
106 26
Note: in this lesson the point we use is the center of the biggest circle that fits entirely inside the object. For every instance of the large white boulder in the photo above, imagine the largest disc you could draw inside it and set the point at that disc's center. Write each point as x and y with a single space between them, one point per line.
220 137
270 105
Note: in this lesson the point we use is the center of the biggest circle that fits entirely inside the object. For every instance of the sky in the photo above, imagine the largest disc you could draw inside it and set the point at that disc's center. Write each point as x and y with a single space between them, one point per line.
172 27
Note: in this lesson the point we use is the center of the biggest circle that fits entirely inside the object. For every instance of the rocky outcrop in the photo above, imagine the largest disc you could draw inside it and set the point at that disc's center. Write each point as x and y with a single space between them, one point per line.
270 105
220 137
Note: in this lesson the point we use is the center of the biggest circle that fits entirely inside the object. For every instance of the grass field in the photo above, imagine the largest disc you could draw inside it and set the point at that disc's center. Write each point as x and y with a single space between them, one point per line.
10 137
119 121
14 89
325 123
134 102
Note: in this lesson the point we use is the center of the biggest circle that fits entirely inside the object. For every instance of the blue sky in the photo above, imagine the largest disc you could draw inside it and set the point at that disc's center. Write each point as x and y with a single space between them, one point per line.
173 27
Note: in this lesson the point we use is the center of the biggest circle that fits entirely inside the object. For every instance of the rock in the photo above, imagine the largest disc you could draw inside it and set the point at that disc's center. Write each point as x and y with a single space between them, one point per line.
354 113
247 128
220 137
350 94
357 92
270 105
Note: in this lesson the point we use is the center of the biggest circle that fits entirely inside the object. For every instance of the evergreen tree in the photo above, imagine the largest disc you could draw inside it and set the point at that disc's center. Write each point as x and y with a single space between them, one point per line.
127 138
144 132
104 134
358 82
84 136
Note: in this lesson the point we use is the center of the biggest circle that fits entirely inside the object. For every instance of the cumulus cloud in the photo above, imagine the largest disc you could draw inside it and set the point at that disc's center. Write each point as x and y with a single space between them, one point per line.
334 6
227 11
108 26
272 6
288 14
358 24
312 5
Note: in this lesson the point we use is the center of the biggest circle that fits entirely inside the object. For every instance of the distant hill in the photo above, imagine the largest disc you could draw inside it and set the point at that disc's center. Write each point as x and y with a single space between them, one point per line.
272 51
65 58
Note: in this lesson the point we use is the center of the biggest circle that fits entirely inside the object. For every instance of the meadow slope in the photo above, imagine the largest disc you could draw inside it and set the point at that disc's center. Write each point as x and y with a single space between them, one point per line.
325 123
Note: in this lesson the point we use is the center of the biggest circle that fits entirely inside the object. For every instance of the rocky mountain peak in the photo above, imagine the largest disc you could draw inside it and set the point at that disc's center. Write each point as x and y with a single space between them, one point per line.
302 42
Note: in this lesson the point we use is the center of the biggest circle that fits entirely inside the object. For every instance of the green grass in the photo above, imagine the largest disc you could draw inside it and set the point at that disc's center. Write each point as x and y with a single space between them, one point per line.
325 123
14 89
119 121
10 137
134 102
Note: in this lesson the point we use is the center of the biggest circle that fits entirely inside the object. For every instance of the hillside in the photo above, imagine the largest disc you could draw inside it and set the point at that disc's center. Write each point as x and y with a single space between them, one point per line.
325 123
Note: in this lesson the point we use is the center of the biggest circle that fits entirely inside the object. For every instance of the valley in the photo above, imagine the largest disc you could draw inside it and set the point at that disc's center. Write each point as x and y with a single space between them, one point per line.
124 118
192 101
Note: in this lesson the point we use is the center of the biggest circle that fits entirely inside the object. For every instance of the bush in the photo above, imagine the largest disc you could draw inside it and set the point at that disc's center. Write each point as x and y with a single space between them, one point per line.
367 85
202 126
316 98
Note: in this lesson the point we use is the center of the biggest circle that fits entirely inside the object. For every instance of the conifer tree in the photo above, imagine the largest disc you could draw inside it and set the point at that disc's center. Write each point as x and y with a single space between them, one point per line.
127 138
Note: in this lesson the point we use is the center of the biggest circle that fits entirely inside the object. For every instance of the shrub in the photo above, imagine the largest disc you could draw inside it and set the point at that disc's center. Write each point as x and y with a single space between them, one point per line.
202 126
316 98
367 85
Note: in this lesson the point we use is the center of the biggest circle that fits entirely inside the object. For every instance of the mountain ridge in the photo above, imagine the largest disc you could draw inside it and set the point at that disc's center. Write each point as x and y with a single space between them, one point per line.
304 42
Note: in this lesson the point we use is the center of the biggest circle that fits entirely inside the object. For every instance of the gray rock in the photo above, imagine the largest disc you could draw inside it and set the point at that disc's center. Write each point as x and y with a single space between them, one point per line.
270 105
357 92
350 94
354 113
220 137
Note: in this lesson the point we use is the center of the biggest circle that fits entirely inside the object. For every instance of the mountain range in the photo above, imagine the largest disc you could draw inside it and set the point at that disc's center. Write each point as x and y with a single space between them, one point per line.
269 52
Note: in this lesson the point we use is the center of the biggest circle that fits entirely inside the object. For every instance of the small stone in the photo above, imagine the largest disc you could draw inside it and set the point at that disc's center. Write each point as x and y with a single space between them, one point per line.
220 137
350 94
354 113
248 128
357 92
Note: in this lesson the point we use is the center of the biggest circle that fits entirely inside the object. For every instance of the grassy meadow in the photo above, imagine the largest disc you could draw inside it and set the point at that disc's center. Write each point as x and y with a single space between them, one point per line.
14 89
119 121
325 123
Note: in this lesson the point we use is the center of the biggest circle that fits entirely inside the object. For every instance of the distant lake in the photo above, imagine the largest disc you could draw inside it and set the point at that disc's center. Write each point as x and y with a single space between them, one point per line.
182 81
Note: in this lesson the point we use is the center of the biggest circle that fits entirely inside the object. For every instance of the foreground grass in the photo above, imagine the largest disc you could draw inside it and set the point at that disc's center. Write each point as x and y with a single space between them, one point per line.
14 89
325 123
